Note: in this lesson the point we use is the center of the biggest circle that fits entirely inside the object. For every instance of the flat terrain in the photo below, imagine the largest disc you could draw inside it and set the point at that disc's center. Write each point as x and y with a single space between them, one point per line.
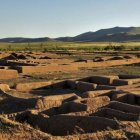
68 46
61 91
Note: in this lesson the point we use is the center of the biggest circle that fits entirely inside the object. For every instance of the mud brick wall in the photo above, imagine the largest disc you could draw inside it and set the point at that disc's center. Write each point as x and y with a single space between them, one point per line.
120 82
8 74
4 87
85 86
124 107
39 85
45 69
93 94
32 85
120 115
107 63
103 80
95 103
54 101
63 125
128 76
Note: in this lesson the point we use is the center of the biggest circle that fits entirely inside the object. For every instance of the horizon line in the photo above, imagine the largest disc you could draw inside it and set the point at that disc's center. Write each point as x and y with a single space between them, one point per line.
69 36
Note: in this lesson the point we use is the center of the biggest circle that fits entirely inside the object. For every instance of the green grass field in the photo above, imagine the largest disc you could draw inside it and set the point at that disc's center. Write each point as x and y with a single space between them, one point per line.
67 46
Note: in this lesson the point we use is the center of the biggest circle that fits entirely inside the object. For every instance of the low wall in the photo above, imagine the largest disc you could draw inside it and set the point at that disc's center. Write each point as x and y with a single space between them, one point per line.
38 85
95 103
45 69
103 80
8 74
72 66
107 63
112 113
54 101
72 124
85 86
93 94
129 76
124 107
4 87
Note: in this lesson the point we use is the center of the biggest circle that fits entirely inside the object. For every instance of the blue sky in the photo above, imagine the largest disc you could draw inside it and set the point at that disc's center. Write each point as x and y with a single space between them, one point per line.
53 18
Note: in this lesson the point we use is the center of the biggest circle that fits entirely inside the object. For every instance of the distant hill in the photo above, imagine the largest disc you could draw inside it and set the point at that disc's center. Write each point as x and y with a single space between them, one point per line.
25 40
111 34
118 34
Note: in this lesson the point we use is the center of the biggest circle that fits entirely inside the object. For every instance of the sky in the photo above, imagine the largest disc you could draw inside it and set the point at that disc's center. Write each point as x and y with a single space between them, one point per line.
55 18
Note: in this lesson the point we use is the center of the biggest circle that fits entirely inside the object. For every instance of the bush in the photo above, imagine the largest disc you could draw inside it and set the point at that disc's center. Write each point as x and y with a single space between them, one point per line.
28 49
119 48
135 49
115 48
109 48
45 50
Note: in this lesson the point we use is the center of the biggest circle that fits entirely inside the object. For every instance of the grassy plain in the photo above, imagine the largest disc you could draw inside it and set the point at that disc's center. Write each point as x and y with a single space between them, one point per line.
67 46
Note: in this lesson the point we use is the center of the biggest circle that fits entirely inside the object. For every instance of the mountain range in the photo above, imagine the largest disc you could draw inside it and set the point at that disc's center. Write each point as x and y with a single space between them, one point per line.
116 34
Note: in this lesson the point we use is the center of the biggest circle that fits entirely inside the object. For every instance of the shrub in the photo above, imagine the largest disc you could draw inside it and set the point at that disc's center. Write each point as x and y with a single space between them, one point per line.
115 48
119 48
108 48
135 49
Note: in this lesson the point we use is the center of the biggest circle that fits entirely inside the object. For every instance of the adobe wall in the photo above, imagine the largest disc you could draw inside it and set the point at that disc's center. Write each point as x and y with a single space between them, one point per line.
107 63
4 87
121 82
72 66
95 103
120 115
103 80
8 74
124 107
54 61
105 87
128 76
38 85
62 125
96 93
71 107
54 101
45 69
85 86
32 85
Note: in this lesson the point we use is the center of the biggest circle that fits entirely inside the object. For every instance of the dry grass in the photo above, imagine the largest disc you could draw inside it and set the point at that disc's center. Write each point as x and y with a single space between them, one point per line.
66 46
10 130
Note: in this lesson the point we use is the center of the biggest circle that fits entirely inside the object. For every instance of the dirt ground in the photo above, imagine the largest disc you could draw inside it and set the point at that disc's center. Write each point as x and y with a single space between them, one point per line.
76 96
